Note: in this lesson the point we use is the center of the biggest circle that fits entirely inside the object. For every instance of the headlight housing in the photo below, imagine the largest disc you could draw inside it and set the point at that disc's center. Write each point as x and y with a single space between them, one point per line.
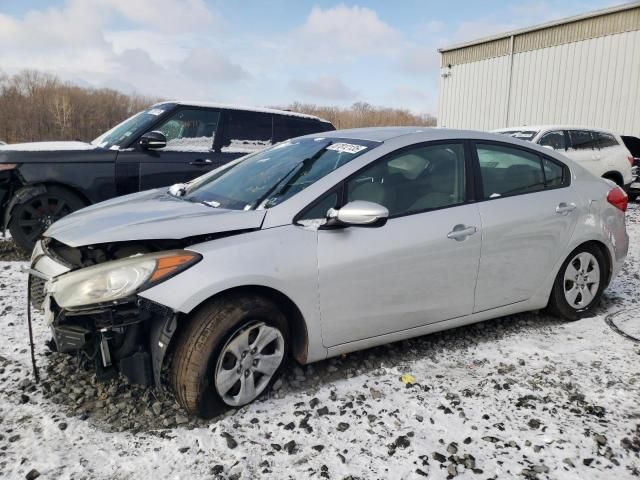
119 279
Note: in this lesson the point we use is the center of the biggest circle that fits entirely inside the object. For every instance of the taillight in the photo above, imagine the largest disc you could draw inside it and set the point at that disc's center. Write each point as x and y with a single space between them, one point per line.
618 198
631 160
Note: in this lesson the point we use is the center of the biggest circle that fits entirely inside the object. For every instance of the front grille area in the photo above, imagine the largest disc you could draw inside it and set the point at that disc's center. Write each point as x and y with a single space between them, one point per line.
37 292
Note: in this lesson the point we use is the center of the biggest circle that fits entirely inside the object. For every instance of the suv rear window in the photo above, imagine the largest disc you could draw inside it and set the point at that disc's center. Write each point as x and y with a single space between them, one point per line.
285 127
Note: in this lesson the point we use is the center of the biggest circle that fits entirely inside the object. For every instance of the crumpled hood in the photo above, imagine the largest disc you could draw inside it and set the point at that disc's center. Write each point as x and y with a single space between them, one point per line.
148 215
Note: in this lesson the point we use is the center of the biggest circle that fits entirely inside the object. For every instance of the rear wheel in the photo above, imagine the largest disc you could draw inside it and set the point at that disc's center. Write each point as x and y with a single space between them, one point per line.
231 351
579 284
29 220
632 196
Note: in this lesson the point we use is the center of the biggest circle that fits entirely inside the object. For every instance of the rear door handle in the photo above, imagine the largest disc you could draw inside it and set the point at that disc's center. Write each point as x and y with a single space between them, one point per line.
565 208
460 232
201 162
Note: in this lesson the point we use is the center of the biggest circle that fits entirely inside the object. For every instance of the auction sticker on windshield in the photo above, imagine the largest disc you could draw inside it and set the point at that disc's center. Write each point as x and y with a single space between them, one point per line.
346 147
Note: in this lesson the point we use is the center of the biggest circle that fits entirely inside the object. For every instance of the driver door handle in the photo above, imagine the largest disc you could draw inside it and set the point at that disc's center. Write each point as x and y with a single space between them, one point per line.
201 162
460 232
565 208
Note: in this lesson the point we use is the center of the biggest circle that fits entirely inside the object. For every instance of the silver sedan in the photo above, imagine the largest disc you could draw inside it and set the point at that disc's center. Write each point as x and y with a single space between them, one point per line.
324 245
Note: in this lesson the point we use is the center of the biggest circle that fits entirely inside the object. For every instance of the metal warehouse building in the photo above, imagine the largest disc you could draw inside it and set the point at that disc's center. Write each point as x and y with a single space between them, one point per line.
583 70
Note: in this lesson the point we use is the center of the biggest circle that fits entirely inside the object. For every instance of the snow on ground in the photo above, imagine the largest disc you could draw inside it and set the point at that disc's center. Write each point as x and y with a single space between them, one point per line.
525 396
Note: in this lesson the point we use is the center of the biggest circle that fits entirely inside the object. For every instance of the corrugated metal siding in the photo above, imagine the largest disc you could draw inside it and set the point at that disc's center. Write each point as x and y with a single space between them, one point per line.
475 95
594 82
610 24
594 27
485 50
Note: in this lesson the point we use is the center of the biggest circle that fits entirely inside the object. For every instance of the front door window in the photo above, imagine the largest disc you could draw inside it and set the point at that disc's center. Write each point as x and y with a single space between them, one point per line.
190 131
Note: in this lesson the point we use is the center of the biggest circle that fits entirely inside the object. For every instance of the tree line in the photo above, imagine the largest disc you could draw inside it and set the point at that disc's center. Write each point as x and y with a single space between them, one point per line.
37 106
362 114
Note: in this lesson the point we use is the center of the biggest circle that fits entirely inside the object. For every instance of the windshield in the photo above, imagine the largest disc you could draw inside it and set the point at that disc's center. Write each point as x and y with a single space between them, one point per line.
269 177
121 133
521 134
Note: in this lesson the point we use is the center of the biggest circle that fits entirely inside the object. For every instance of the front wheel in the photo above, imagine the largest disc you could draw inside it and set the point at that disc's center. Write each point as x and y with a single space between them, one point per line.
231 351
29 220
579 284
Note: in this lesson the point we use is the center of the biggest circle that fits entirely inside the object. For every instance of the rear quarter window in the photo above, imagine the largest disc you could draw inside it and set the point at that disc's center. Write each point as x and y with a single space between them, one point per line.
605 140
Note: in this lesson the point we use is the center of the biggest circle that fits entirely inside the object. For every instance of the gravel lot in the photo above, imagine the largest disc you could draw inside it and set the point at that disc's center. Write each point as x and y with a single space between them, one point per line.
526 396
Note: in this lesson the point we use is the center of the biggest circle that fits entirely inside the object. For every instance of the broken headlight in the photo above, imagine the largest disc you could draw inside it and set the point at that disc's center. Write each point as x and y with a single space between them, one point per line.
119 279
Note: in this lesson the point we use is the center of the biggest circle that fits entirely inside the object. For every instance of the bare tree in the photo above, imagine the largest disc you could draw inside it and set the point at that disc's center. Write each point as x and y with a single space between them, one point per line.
36 106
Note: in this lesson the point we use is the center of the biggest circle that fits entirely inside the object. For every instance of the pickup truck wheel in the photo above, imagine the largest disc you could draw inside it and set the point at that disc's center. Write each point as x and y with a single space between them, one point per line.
230 352
579 285
29 220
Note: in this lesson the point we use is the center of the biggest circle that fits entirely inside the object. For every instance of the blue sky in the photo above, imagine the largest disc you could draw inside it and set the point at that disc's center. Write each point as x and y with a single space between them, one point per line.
267 53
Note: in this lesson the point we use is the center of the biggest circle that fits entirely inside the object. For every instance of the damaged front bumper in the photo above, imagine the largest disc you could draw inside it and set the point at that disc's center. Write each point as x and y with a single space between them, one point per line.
130 336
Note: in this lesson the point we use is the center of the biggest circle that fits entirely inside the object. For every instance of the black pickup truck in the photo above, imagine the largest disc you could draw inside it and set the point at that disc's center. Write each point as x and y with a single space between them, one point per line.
171 142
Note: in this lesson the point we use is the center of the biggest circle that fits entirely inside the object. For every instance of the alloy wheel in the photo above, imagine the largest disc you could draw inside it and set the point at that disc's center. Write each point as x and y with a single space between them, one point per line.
581 280
38 215
247 362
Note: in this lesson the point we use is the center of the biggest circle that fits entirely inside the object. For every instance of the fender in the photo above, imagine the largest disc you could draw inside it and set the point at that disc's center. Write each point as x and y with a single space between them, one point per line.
21 196
161 332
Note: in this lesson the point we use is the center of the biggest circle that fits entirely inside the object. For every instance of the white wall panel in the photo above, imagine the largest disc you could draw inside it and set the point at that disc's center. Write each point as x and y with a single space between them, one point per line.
593 82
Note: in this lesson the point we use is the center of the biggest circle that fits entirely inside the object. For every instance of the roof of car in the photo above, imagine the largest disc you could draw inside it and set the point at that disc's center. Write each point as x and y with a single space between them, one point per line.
538 128
411 134
226 106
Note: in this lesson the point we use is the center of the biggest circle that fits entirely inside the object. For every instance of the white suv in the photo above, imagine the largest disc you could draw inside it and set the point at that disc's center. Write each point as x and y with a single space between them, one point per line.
601 152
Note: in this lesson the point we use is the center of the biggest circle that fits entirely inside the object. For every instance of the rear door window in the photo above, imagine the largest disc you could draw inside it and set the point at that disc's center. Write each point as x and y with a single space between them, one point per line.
246 132
508 171
582 140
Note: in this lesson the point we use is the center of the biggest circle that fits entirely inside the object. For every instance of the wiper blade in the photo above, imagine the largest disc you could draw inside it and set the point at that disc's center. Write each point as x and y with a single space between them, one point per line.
289 175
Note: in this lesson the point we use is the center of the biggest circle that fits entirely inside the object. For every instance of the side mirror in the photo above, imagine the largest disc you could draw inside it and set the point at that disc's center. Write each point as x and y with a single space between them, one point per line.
358 213
153 140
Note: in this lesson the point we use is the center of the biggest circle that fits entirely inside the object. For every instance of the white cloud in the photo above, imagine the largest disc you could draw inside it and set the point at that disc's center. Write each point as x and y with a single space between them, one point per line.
154 56
76 24
212 66
346 31
172 16
324 87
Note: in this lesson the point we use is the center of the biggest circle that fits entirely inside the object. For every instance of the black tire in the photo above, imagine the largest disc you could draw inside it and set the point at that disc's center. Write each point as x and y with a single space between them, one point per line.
632 196
30 219
200 344
558 304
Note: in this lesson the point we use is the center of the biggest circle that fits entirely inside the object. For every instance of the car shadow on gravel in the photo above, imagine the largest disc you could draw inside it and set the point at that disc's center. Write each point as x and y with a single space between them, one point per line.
119 406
